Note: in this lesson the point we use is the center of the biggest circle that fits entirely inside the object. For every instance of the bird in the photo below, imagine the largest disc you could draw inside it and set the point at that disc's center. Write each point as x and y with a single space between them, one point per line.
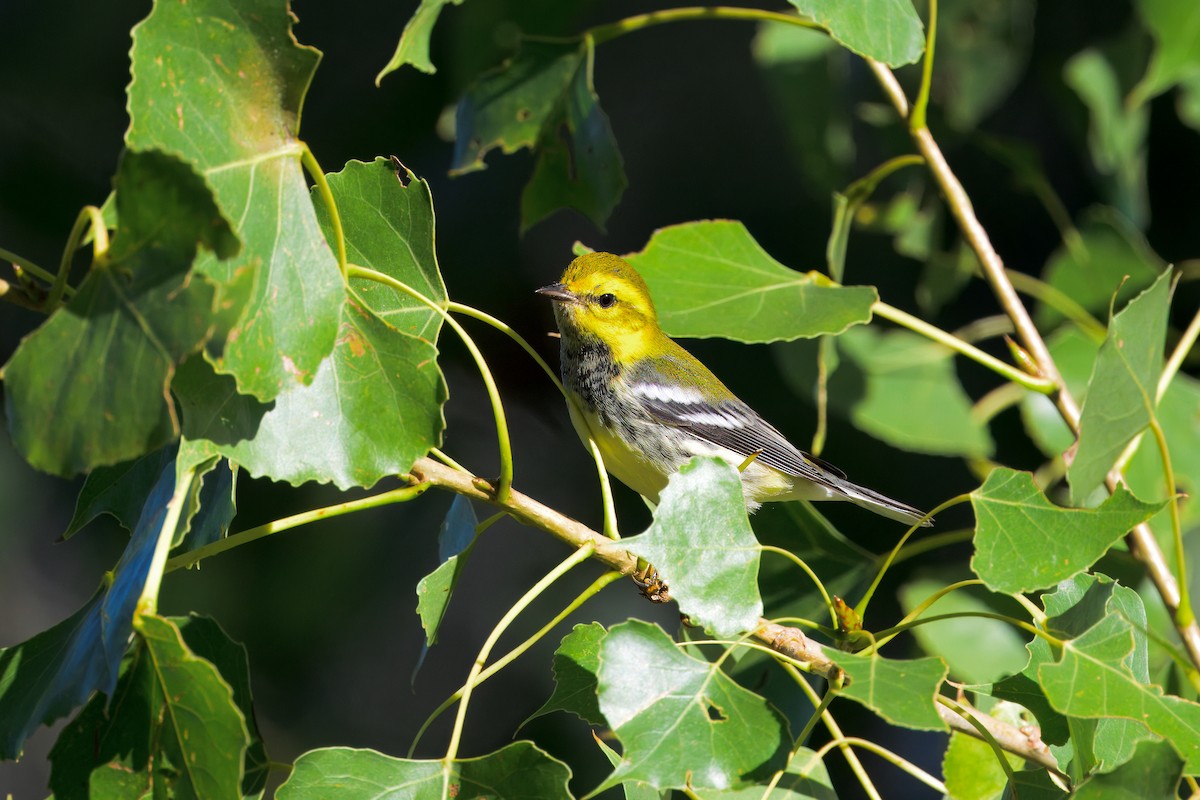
651 406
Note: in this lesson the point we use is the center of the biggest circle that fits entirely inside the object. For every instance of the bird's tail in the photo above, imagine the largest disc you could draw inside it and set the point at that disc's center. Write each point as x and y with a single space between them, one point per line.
884 506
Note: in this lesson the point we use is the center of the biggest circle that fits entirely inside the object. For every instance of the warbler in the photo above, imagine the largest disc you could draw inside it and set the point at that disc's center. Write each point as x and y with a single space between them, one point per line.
650 405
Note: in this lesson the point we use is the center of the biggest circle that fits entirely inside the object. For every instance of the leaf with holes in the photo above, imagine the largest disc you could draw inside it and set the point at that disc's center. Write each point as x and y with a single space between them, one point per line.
683 722
703 548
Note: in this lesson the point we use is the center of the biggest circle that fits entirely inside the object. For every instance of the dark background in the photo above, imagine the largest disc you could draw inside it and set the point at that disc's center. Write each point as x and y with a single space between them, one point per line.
327 611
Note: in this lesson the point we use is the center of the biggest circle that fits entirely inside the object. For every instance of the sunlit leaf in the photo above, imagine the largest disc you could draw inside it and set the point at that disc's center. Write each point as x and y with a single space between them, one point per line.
375 404
519 771
682 722
104 361
972 770
455 539
1154 771
900 691
413 47
1023 542
889 30
1121 393
575 664
804 778
634 790
221 84
711 278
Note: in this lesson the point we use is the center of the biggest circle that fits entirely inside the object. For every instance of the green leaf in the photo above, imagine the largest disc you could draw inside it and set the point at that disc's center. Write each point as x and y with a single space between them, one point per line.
1033 784
1023 542
889 30
1154 771
413 47
375 405
972 770
1121 393
1176 29
170 722
804 778
634 790
221 84
212 510
1091 681
455 540
575 664
1177 415
1116 133
977 650
711 278
1111 264
519 771
702 546
104 361
1074 353
45 677
206 639
682 722
913 399
982 52
119 490
543 99
902 692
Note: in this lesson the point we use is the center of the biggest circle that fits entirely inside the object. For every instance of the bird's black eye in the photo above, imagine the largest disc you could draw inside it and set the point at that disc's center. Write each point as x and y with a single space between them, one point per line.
607 300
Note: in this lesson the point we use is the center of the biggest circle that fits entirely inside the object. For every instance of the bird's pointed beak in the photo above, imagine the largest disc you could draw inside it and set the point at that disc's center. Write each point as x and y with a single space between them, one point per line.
559 293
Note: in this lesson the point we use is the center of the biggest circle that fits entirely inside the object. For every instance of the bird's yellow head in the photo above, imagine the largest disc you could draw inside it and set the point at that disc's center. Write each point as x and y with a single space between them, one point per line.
601 297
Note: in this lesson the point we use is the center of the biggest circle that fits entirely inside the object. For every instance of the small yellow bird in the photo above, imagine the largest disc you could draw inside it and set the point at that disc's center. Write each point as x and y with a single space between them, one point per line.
650 405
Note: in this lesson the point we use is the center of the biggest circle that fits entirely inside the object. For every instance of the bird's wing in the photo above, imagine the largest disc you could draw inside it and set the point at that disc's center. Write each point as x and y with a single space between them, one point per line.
734 425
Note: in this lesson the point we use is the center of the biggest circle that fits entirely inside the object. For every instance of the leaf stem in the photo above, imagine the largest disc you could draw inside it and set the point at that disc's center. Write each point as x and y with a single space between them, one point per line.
1182 348
1060 301
884 636
916 118
933 542
1038 384
26 265
861 608
612 30
309 160
766 548
512 655
504 482
1003 397
836 732
148 600
887 755
88 215
570 562
401 495
447 460
984 733
1183 614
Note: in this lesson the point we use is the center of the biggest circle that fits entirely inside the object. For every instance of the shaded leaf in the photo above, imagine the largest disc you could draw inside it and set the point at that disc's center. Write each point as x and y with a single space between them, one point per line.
119 490
519 771
1154 771
702 546
1023 542
889 31
683 721
1176 29
1116 133
902 692
104 361
711 278
1033 784
215 507
221 84
1090 680
45 677
455 540
913 396
413 47
1113 259
575 664
543 99
977 650
1121 392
